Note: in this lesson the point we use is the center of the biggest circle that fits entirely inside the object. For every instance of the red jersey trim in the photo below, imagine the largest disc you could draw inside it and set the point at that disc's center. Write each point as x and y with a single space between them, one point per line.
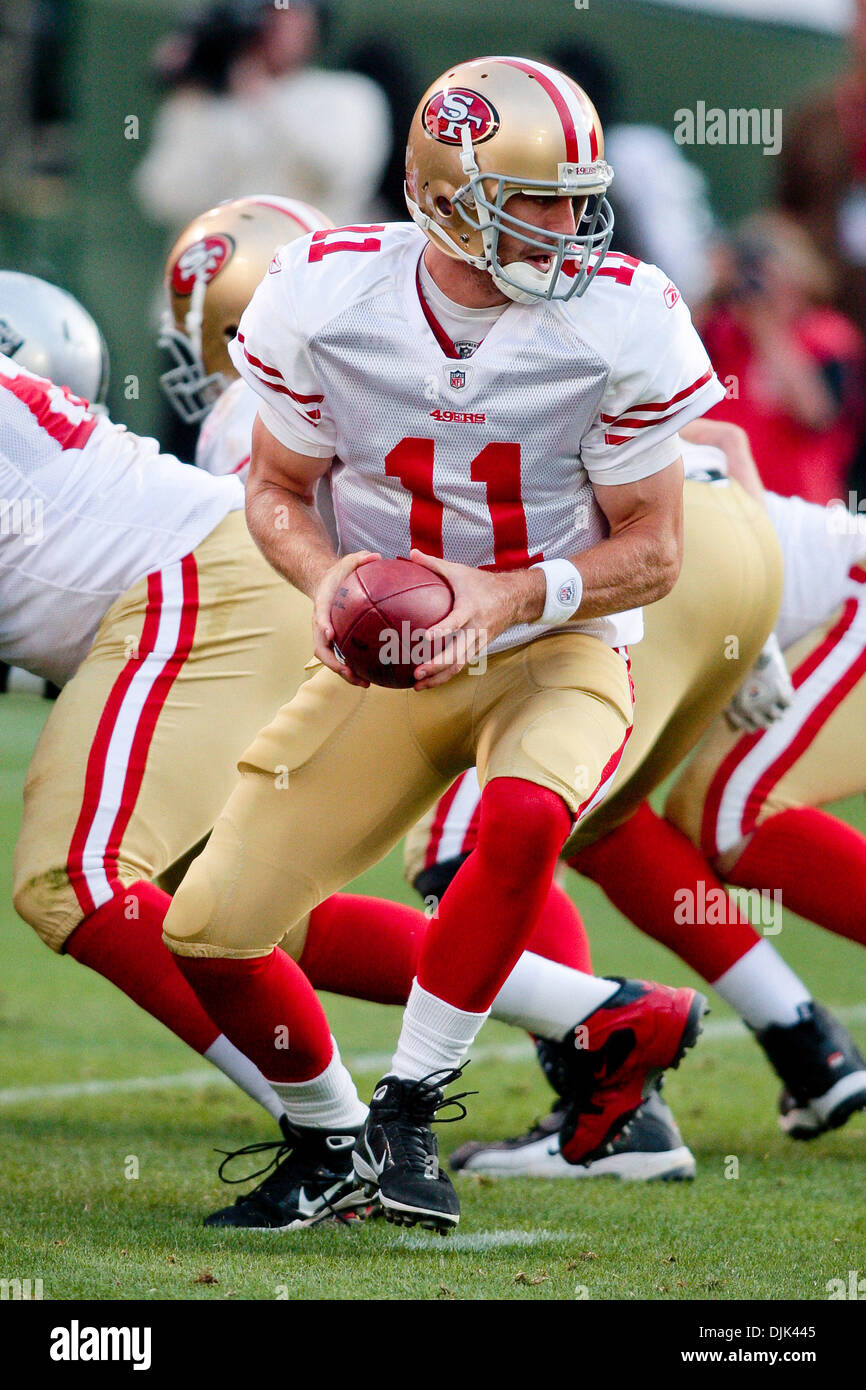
656 406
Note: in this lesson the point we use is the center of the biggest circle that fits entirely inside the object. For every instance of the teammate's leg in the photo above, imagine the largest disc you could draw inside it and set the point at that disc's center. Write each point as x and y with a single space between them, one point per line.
749 801
658 880
136 759
122 941
816 862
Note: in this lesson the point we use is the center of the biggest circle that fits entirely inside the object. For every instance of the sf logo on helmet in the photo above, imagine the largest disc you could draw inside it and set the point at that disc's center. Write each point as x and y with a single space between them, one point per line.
447 112
201 261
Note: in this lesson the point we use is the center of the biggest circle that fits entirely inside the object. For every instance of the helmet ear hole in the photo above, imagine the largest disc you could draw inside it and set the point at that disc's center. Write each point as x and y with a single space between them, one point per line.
444 206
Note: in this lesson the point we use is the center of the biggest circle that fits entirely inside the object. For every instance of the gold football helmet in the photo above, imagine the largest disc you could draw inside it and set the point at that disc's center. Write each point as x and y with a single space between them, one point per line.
494 127
210 275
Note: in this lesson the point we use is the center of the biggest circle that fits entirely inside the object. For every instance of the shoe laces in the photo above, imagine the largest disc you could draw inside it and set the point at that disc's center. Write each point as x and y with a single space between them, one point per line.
317 1178
420 1105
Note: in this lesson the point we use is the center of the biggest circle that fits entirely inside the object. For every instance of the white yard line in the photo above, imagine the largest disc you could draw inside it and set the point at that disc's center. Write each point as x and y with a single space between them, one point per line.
719 1030
479 1240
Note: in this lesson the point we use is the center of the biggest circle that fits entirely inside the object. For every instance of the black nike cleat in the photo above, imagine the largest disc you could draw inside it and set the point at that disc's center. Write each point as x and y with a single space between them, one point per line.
651 1149
397 1153
823 1072
312 1180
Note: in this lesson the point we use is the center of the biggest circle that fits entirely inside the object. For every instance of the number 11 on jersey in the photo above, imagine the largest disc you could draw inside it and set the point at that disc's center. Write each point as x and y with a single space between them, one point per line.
498 467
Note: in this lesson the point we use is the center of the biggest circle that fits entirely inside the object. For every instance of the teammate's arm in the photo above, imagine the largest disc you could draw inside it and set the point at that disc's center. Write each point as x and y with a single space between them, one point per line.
638 563
283 522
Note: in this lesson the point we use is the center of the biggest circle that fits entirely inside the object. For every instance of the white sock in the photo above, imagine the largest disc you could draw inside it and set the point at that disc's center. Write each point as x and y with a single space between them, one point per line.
329 1101
435 1036
762 988
244 1073
548 999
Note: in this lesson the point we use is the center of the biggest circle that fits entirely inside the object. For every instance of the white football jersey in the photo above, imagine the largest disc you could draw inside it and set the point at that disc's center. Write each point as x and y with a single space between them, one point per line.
486 460
819 547
225 441
225 438
86 510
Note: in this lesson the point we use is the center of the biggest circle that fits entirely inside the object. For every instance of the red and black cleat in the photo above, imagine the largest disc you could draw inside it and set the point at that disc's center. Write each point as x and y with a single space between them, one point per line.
619 1053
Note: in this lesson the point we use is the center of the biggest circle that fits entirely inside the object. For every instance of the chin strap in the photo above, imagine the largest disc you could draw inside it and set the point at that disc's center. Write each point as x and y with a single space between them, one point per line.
470 168
195 314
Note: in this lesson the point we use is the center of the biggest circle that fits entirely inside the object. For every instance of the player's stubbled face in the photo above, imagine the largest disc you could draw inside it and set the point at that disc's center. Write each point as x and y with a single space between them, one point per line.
548 215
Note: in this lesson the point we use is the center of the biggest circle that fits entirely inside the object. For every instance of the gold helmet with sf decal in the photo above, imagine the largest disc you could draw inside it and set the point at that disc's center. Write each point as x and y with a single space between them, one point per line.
210 276
493 127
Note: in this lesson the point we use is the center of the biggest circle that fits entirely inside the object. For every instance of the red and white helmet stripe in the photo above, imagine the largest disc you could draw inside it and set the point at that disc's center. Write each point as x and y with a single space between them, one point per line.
578 127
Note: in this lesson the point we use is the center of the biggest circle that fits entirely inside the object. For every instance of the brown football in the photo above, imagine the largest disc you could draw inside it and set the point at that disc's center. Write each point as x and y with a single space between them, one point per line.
379 617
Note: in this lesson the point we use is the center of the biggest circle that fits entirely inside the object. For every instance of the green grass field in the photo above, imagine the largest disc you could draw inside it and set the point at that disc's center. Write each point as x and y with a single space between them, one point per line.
88 1084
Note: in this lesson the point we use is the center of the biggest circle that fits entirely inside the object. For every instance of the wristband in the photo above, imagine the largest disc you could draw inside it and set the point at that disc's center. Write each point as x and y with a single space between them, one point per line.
564 590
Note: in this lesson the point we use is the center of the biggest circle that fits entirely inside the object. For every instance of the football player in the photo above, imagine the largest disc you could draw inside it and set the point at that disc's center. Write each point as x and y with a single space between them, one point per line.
130 580
203 386
541 476
751 798
210 274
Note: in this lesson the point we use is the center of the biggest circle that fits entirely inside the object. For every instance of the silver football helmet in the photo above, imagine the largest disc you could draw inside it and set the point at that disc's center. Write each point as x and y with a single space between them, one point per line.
45 330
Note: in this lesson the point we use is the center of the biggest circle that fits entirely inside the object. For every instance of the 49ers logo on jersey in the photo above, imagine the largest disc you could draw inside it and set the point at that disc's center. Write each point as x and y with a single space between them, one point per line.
201 261
446 113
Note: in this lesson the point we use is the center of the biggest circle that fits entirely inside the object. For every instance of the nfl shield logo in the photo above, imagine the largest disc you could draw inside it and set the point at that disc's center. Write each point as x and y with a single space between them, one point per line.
457 380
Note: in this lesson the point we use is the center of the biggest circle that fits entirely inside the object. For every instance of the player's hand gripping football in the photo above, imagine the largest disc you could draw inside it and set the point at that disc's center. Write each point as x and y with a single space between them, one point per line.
485 604
323 630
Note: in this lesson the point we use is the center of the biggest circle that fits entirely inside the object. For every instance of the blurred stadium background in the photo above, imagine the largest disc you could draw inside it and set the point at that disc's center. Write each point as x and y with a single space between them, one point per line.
75 70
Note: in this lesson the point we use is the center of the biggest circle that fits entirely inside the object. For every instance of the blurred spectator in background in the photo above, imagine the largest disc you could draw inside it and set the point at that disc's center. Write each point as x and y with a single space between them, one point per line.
823 173
385 62
34 103
660 202
792 365
246 110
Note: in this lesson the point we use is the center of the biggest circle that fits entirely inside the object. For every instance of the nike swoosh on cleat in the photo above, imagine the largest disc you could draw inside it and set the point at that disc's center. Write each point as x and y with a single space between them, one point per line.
312 1206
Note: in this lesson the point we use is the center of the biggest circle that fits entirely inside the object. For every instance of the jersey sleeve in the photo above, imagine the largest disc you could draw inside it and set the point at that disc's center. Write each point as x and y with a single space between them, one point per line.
272 355
660 380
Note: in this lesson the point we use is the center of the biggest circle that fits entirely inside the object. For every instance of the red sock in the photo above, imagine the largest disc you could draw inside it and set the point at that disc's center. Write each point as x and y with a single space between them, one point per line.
364 947
267 1007
818 862
559 933
492 904
122 940
368 948
641 866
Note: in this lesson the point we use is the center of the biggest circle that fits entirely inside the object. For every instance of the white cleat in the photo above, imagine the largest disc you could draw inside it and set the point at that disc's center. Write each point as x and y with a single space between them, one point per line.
650 1149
